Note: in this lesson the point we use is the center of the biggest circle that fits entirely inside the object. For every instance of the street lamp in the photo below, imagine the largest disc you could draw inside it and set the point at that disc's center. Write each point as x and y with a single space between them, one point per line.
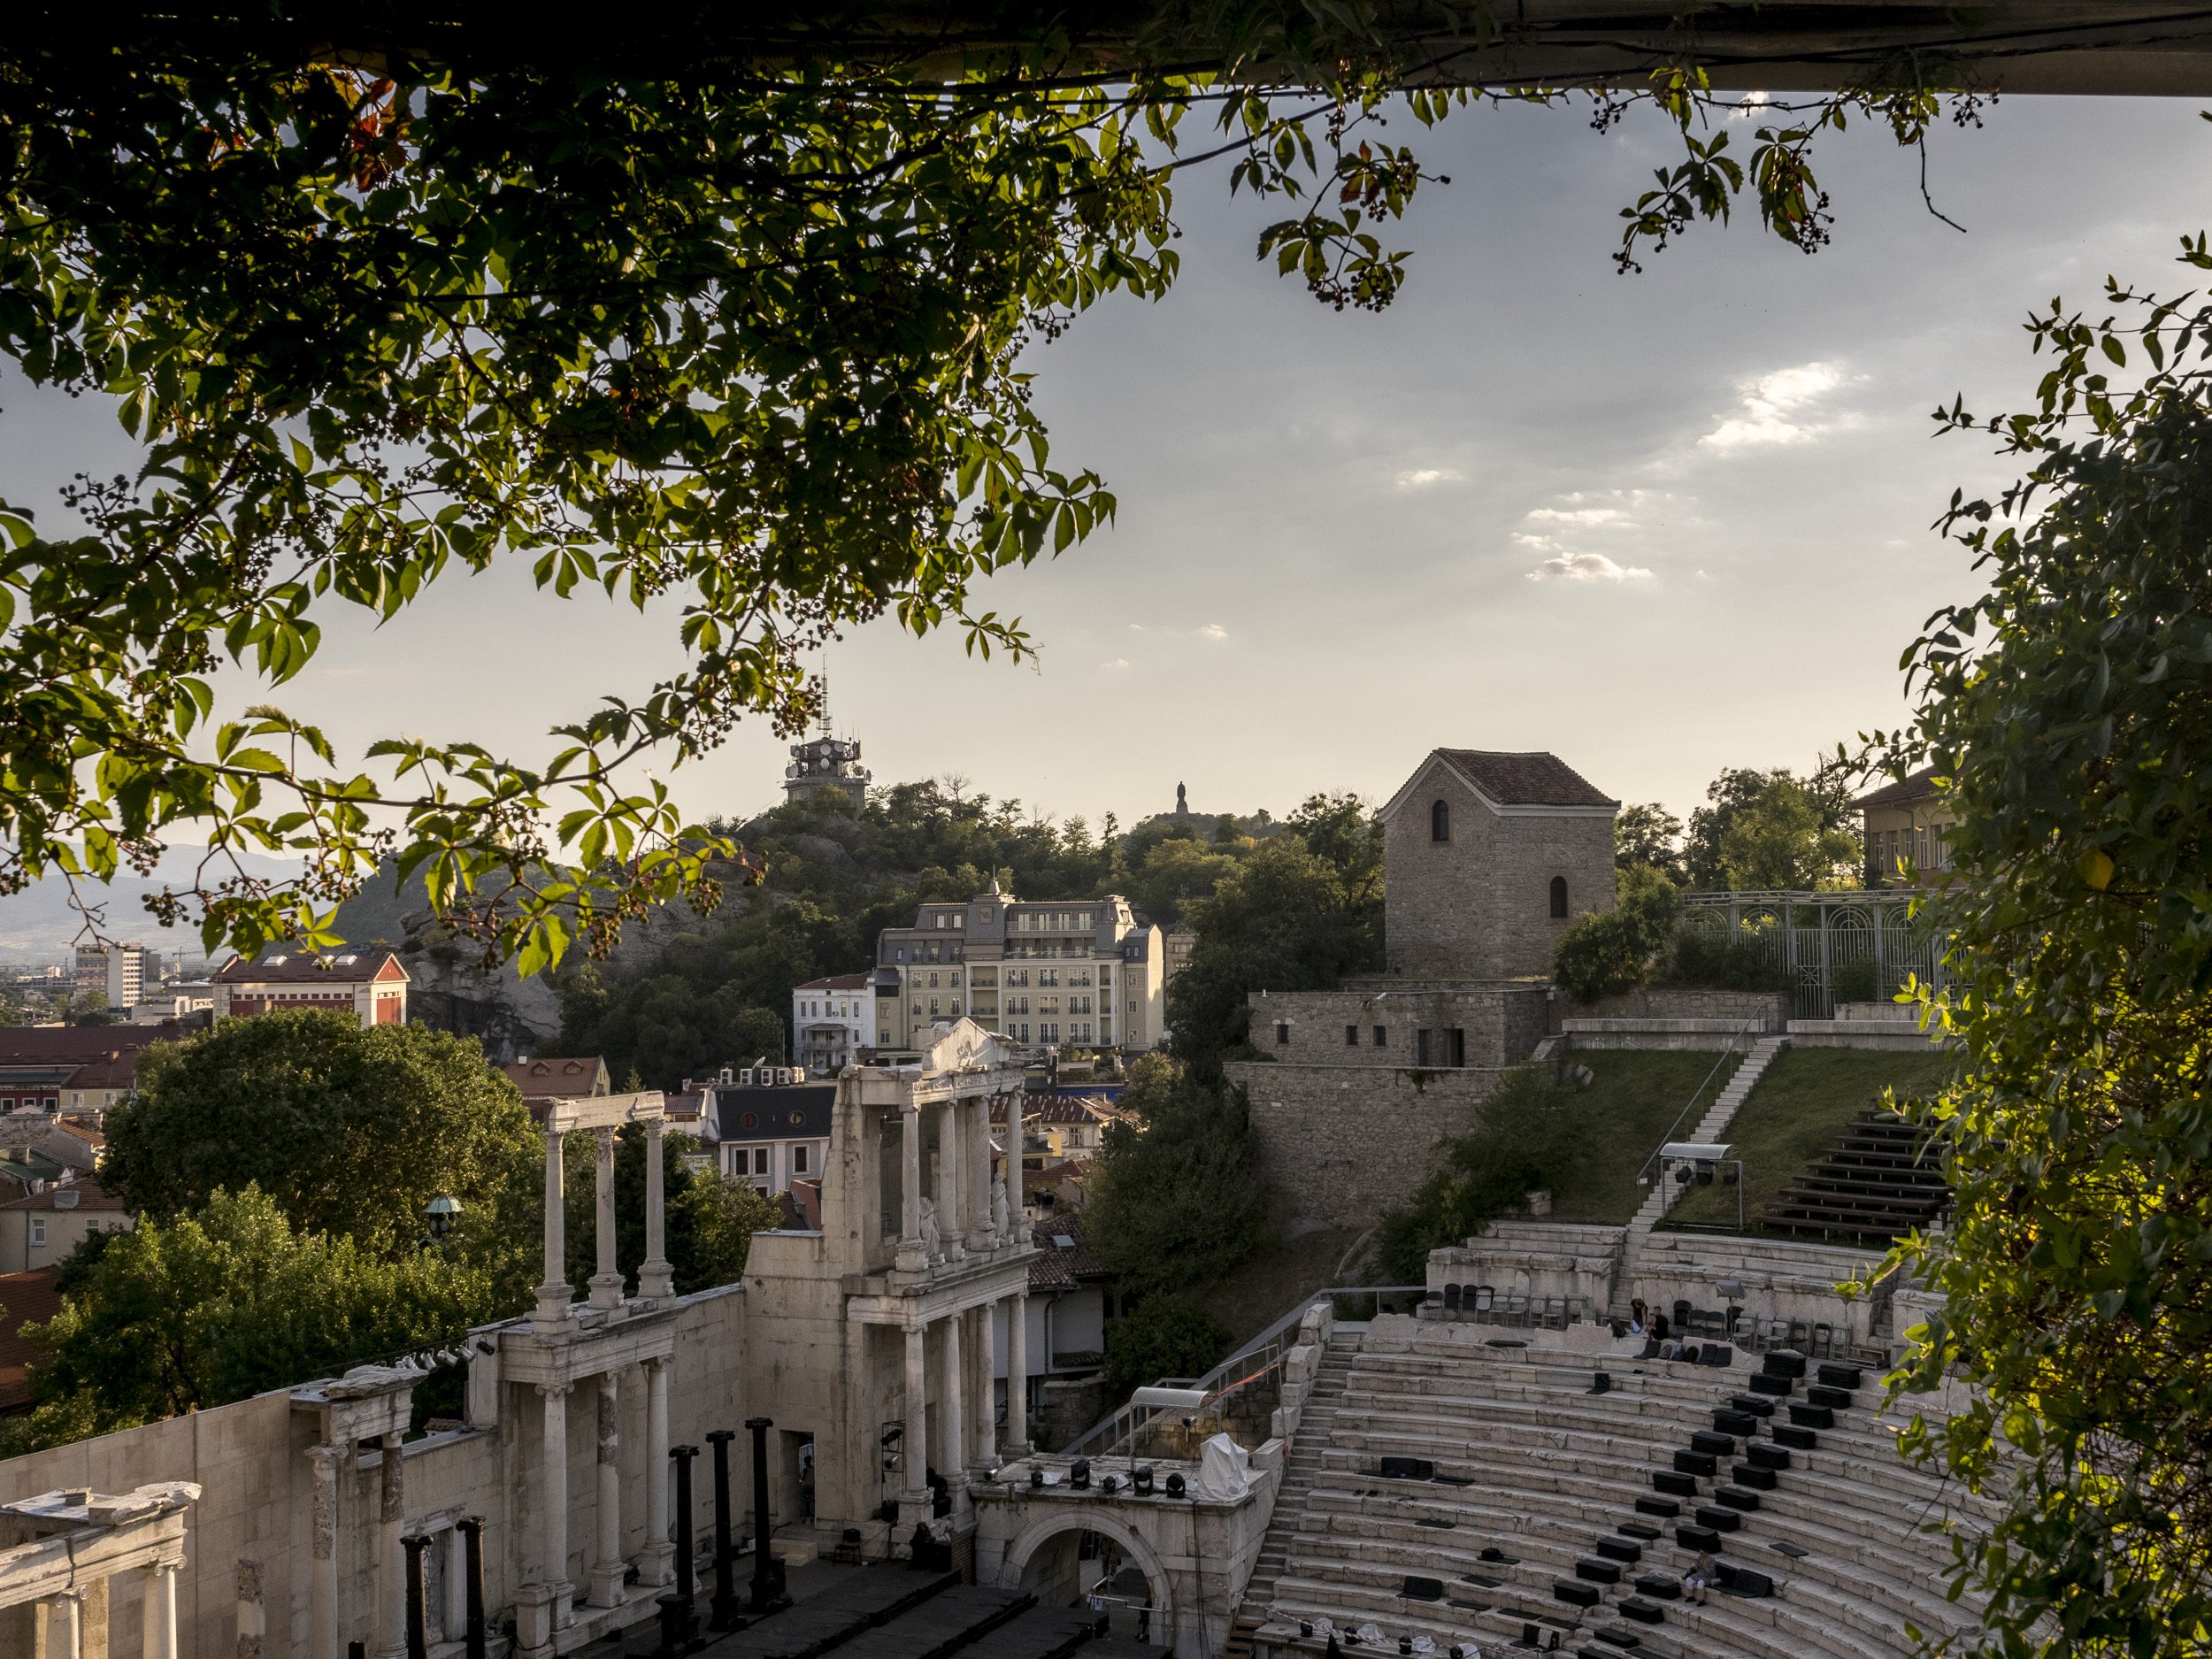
438 1215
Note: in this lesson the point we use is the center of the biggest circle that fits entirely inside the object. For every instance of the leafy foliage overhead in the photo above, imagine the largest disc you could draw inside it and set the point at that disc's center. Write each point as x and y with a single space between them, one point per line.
739 335
2068 714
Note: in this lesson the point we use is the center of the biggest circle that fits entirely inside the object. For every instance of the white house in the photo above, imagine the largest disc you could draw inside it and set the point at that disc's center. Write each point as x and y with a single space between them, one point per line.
830 1021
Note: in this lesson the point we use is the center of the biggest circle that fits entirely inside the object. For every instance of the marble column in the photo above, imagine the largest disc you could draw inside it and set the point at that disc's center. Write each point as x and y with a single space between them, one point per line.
253 1614
1015 1218
553 1291
655 1277
553 1525
950 1227
322 1584
606 1283
975 1171
455 1619
391 1557
984 1434
65 1624
158 1640
657 1564
1017 1441
609 1569
914 1450
952 1417
912 1256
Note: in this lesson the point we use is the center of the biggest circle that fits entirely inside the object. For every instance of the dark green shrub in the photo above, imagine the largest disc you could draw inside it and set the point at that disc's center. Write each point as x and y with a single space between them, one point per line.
1165 1336
1611 951
1714 959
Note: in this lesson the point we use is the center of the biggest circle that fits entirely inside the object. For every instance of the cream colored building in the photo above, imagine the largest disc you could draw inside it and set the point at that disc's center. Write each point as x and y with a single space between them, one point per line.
1045 974
1909 830
45 1229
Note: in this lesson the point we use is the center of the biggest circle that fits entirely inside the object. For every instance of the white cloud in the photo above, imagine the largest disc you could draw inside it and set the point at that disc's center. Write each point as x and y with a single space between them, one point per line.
1776 408
1213 630
1585 567
1754 105
1421 477
1587 518
1119 661
1136 627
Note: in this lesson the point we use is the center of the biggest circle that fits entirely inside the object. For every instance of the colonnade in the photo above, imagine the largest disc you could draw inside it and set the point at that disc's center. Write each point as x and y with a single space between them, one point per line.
63 1614
970 1212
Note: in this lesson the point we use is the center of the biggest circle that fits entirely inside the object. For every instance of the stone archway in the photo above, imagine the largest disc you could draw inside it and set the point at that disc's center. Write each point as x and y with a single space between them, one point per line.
1030 1545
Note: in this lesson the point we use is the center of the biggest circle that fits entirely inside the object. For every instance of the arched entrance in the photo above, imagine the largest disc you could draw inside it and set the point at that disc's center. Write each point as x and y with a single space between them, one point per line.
1092 1559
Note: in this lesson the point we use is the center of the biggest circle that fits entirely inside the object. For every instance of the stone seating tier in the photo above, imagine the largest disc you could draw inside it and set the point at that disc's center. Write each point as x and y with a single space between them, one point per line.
1533 1463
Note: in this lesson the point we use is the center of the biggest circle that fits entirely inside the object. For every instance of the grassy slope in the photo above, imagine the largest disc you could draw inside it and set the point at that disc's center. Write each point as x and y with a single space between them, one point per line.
1638 1094
1797 1113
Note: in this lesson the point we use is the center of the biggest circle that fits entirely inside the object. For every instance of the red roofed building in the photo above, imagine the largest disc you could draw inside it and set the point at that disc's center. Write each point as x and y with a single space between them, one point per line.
45 1229
368 983
550 1078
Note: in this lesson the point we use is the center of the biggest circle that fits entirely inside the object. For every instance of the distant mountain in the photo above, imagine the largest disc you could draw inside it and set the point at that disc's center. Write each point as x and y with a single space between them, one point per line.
38 924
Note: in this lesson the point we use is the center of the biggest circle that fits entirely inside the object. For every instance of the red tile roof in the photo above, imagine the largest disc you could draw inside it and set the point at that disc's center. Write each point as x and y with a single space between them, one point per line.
550 1077
836 982
25 1299
89 1196
1915 786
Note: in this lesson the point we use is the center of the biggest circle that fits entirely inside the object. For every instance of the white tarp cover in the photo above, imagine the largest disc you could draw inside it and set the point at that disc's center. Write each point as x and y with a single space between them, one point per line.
1224 1470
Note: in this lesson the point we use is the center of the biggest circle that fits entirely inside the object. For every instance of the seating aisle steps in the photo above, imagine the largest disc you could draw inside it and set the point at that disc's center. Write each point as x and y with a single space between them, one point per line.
1714 1124
1517 1496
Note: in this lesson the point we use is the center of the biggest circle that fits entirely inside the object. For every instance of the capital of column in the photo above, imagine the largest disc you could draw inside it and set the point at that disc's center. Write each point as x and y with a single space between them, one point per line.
552 1391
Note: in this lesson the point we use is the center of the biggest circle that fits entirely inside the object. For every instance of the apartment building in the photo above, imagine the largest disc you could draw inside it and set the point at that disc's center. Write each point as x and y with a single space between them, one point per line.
121 974
1043 974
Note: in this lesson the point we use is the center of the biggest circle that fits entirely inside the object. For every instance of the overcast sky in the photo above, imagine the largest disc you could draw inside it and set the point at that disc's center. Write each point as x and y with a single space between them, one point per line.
1659 524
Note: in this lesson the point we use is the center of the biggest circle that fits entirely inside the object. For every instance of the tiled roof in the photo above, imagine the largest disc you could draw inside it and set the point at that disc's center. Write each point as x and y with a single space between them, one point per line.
77 1045
799 1113
27 1299
1536 777
87 1195
837 982
345 965
1915 786
550 1077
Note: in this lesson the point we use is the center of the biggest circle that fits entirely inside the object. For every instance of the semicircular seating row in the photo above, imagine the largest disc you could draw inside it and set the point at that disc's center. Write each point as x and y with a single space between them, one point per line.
1466 1491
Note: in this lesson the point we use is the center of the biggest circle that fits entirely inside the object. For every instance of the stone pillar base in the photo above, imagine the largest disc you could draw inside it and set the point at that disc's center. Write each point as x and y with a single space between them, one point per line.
540 1611
657 1566
606 1290
914 1510
606 1585
910 1258
656 1280
1013 1449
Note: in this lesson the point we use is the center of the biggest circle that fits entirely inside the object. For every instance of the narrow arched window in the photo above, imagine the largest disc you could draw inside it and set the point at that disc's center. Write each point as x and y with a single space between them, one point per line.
1440 821
1559 896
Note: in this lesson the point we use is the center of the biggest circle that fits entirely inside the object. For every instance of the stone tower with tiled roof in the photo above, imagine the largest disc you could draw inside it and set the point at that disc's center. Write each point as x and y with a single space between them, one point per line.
1487 857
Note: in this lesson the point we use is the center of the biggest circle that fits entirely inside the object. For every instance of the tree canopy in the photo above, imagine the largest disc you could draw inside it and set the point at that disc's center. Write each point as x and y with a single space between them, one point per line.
739 334
345 1130
2068 714
196 1311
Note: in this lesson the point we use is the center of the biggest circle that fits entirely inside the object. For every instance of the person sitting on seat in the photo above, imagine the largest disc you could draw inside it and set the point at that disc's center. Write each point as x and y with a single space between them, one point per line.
1636 1316
1700 1575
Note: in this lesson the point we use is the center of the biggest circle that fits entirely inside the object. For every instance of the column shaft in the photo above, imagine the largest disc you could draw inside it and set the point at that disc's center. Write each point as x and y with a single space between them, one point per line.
1016 1441
911 1256
606 1281
658 1567
915 1447
391 1556
322 1585
955 1453
1014 1216
159 1639
65 1624
553 1525
975 1170
984 1432
554 1292
949 1225
608 1570
655 1277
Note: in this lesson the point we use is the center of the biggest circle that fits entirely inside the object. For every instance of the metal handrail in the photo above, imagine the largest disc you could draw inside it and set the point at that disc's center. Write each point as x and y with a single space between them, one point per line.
1268 1347
1696 1094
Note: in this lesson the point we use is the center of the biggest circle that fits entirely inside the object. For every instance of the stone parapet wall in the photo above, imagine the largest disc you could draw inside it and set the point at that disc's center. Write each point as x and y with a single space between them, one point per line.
1501 1022
1768 1010
1709 1036
1342 1144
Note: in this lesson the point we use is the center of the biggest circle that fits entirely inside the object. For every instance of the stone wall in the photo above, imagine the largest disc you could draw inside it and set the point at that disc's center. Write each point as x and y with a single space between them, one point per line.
1340 1144
251 1462
1499 1023
1479 904
1767 1008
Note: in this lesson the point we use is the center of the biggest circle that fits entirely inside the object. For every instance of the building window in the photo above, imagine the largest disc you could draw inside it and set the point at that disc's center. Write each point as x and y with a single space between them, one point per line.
38 1230
1558 896
1440 821
1351 1036
799 1160
1282 1034
1455 1047
1420 1048
1382 1036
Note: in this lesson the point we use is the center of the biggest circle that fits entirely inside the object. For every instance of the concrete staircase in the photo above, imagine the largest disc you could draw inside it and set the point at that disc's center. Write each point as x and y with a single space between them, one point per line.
1714 1124
1290 1499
